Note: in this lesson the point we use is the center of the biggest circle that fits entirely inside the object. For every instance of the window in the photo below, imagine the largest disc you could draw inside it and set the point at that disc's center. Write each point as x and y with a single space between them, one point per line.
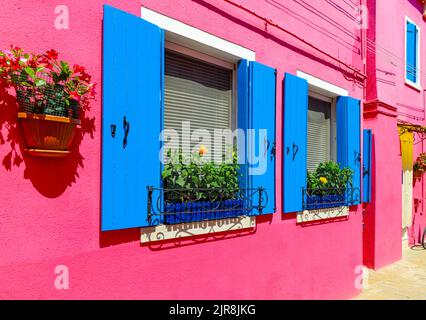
321 130
197 83
412 53
200 94
321 122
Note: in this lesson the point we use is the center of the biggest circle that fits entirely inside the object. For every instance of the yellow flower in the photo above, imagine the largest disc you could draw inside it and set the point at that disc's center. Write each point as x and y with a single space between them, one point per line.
323 180
202 151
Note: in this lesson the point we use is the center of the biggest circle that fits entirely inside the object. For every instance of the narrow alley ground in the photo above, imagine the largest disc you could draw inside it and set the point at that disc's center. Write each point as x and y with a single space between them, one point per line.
405 279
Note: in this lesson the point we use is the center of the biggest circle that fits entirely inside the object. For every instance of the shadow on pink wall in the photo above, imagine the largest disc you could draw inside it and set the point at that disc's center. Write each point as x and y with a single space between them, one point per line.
50 176
368 233
417 4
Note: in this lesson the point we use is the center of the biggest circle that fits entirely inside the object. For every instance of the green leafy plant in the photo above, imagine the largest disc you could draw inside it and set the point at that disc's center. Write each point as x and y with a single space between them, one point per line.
329 178
200 180
419 166
44 84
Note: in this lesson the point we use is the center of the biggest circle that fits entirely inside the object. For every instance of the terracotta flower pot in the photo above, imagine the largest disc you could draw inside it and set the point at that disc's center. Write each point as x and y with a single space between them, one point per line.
47 135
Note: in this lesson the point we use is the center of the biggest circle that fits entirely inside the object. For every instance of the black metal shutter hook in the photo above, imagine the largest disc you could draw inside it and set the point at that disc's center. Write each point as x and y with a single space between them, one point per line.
126 127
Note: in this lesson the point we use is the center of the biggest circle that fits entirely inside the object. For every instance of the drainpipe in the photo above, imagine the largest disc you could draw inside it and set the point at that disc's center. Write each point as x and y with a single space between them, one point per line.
273 24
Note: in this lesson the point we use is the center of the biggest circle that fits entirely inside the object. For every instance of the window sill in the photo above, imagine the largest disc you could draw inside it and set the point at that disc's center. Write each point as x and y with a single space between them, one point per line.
322 214
164 232
412 85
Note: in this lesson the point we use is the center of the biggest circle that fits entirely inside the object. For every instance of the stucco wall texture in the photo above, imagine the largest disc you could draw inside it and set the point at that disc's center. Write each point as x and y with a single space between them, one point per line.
386 83
50 208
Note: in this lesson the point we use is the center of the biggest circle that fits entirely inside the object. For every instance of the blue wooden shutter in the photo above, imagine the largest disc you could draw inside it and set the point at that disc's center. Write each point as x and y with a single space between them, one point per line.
295 137
411 52
348 140
243 119
132 97
262 98
367 151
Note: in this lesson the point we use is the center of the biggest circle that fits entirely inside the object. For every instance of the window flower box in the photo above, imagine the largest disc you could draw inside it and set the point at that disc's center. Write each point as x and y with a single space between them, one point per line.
176 206
329 186
324 201
335 198
200 211
197 189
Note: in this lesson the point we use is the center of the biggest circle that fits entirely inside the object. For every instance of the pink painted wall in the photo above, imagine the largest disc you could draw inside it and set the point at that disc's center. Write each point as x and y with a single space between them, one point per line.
383 216
386 70
50 207
390 35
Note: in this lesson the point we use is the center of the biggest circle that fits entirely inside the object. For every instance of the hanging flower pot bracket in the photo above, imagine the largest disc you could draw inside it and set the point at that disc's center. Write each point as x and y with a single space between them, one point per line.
51 94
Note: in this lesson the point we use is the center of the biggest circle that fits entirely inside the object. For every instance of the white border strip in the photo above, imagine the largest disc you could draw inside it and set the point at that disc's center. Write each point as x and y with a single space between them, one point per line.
199 55
184 30
324 87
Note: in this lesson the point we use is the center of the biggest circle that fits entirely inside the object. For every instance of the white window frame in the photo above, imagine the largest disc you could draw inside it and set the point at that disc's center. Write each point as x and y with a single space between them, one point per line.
213 49
333 124
323 87
323 90
190 37
417 84
198 55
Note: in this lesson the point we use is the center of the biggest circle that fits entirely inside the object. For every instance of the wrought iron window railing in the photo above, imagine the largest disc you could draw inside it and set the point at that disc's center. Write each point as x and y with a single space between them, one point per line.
329 197
172 206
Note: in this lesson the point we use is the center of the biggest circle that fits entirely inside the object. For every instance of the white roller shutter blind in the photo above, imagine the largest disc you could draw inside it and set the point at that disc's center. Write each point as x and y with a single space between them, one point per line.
319 130
198 92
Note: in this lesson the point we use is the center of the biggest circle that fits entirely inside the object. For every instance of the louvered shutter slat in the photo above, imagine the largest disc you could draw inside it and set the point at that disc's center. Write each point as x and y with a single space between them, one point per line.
198 92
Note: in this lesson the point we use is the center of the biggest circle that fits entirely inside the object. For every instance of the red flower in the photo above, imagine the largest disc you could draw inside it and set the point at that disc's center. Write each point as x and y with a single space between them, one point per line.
15 65
79 69
74 95
14 48
91 89
85 77
44 61
52 54
2 61
33 63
